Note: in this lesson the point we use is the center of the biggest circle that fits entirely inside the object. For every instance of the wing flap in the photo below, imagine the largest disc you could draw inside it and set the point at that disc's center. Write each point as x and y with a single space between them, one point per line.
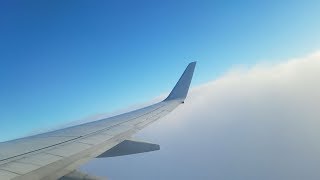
19 168
40 159
6 175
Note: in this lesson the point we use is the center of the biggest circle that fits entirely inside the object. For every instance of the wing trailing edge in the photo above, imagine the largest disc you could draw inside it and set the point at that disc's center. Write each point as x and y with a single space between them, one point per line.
180 90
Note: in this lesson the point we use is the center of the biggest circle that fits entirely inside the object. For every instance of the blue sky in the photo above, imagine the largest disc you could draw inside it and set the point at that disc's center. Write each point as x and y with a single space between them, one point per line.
65 60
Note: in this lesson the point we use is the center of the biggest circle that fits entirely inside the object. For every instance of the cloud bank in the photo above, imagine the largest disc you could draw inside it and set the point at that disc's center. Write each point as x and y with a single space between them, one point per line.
257 123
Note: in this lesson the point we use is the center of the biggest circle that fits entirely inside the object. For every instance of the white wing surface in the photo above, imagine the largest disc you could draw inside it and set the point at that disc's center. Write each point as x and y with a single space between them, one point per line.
57 154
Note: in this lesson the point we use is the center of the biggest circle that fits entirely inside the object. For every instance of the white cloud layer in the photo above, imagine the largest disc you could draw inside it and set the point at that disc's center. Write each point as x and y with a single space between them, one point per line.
257 123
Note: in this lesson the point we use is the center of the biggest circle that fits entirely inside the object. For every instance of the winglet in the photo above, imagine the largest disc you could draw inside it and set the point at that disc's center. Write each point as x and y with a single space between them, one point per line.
180 90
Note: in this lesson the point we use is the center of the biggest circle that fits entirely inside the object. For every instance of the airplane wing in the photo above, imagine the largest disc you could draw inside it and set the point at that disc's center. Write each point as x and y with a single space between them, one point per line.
57 154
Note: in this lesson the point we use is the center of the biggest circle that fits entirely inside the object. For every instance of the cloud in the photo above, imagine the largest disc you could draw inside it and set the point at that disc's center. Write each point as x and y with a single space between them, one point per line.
261 122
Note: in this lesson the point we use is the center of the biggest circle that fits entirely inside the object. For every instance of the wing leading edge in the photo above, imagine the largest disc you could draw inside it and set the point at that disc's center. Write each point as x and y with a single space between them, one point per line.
57 154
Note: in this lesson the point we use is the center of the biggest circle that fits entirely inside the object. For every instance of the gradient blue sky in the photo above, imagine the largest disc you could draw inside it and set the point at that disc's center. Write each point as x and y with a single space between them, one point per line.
65 60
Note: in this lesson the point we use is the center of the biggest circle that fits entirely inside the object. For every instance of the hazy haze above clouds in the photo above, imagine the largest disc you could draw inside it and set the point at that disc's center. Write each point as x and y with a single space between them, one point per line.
261 122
